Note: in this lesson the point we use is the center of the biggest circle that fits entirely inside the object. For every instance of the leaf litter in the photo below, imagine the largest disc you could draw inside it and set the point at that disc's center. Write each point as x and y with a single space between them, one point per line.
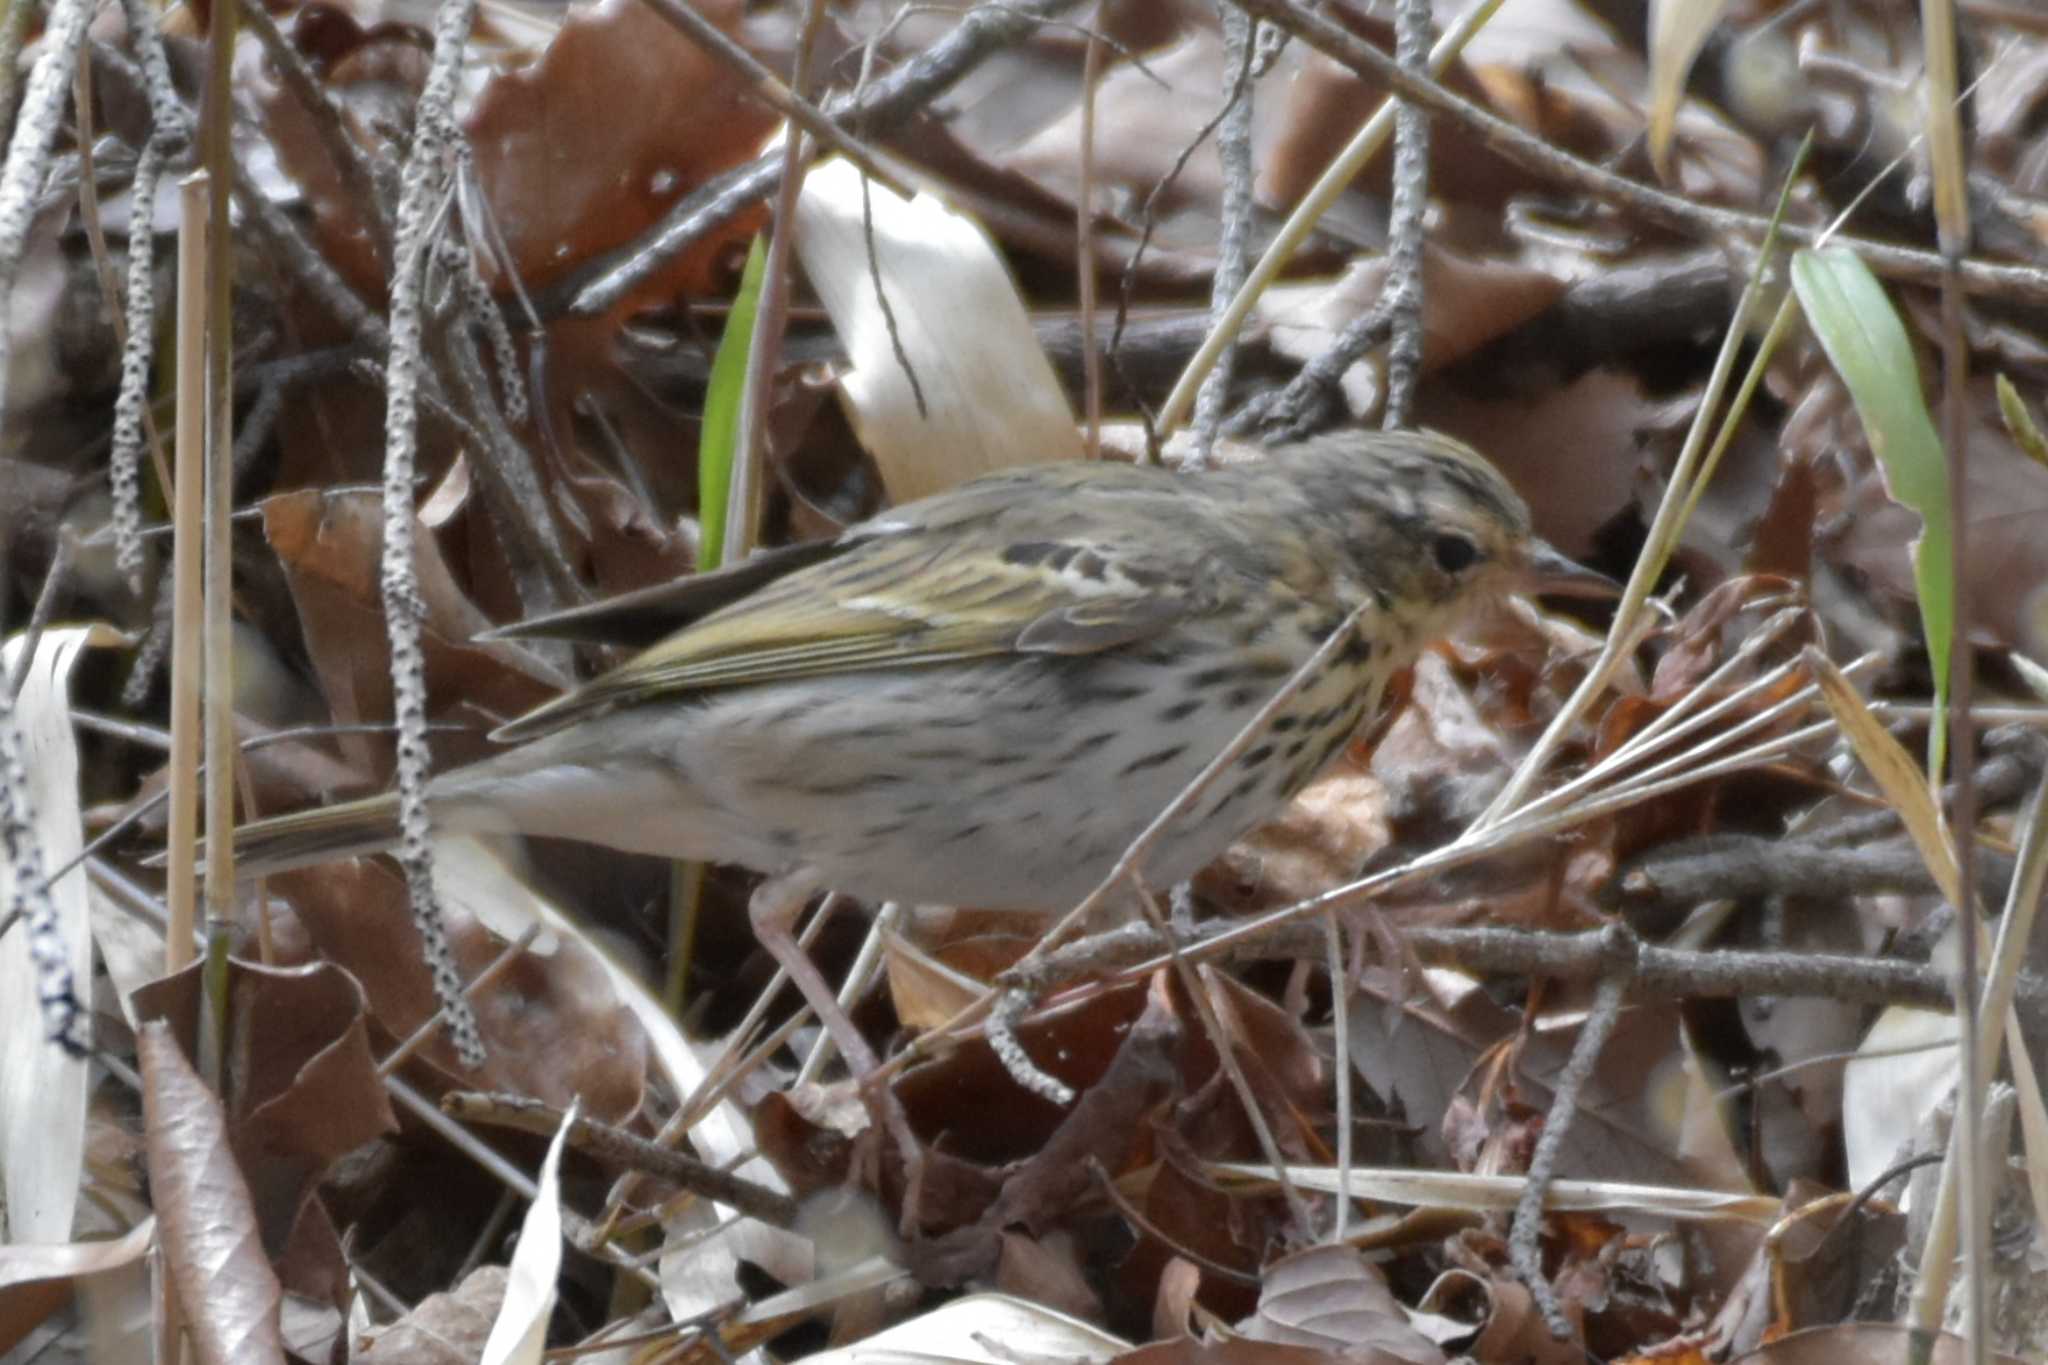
307 1209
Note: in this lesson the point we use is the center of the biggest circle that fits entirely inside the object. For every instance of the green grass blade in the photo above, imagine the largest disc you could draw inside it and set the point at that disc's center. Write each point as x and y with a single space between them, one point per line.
1866 343
720 428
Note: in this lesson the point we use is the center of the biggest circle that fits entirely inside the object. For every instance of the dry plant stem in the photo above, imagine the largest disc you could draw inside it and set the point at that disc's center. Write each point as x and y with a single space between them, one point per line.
1340 1027
188 515
297 258
1666 210
351 163
1524 1249
1205 989
1234 151
1964 1166
486 1236
771 322
1084 248
621 1148
2008 955
790 101
1677 763
1675 877
1404 220
1148 219
1364 145
216 125
482 311
1667 725
1774 336
1959 1170
1695 464
271 226
419 188
575 1227
28 153
1661 973
877 109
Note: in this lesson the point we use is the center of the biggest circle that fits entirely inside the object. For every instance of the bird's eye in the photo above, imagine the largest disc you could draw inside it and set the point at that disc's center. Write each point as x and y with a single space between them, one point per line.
1454 554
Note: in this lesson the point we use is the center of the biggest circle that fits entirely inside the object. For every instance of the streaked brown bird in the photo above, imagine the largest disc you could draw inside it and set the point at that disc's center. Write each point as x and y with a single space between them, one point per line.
982 697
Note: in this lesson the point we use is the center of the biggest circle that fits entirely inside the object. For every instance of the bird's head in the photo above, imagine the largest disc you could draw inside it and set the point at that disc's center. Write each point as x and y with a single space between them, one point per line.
1430 524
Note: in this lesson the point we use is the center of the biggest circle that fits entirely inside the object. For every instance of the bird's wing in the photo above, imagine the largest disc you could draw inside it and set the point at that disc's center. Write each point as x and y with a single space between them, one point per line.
1003 566
649 615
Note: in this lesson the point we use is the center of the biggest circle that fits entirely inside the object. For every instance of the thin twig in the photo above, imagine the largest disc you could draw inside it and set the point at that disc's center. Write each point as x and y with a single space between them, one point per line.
621 1148
764 85
877 109
1524 1249
330 126
1336 177
1405 213
1340 1029
1234 151
577 1228
420 189
1084 249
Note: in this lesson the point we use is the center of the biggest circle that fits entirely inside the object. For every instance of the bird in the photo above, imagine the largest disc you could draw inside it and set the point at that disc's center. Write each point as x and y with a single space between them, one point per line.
982 697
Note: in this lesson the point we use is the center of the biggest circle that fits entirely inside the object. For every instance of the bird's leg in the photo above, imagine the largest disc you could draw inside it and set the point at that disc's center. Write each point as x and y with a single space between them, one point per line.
774 908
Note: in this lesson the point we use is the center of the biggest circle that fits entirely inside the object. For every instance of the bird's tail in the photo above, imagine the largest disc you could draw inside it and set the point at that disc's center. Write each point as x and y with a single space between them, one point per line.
323 834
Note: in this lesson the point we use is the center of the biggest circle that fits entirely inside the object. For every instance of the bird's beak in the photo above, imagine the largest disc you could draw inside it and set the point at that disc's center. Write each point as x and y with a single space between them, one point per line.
1548 572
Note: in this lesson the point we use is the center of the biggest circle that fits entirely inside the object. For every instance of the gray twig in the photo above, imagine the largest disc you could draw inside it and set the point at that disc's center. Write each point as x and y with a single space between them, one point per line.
28 153
1404 219
421 188
1524 1250
1234 150
875 110
351 164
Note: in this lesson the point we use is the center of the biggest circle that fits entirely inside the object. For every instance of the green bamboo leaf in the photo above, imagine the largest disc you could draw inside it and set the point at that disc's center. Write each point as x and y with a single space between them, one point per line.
1866 343
720 427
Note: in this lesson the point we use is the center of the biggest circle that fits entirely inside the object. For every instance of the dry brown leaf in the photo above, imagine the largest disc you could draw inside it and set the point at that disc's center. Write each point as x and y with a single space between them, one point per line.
619 116
307 1090
229 1293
